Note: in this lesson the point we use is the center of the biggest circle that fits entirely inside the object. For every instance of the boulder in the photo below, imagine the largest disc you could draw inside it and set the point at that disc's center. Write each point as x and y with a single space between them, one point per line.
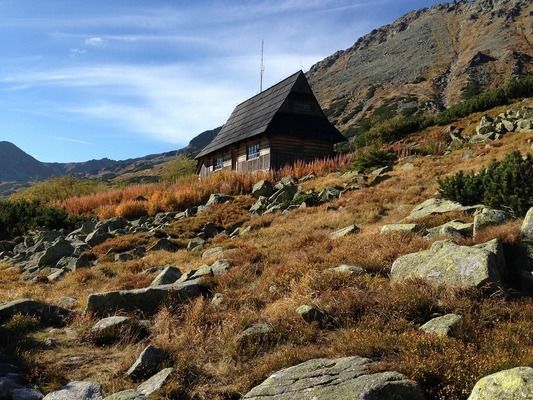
446 325
409 228
195 244
347 378
154 383
262 188
344 231
526 231
167 276
450 264
510 384
59 249
283 195
524 125
488 217
218 198
347 269
286 181
219 267
112 329
165 245
312 314
437 206
146 300
452 229
77 390
97 237
46 313
213 252
129 394
260 205
255 333
210 230
329 194
148 363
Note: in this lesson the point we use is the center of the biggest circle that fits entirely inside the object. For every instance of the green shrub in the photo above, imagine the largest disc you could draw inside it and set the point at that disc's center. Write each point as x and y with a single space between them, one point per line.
178 168
504 184
16 217
373 159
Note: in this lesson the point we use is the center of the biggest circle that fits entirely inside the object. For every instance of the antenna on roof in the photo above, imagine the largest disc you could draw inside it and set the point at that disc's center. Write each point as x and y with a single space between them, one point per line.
262 65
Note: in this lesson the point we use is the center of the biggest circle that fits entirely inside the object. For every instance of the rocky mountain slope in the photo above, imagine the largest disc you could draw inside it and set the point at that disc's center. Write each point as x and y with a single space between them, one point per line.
426 60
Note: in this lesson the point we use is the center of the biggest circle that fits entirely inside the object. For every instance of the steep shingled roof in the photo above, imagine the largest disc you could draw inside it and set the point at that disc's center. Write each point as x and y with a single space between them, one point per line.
262 111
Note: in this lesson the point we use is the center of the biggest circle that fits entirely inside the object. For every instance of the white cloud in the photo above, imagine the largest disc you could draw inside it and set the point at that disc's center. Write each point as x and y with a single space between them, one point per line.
94 42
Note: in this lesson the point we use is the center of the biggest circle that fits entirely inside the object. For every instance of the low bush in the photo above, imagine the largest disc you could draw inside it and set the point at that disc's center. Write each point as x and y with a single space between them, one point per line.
373 159
16 217
505 183
177 169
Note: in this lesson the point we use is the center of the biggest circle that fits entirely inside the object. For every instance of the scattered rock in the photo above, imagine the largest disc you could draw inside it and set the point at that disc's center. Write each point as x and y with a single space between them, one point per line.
196 244
148 363
340 379
146 300
450 264
488 217
347 269
46 313
344 231
526 230
154 383
446 325
312 314
218 198
167 276
255 333
77 390
262 189
437 206
510 384
97 237
112 329
212 252
411 228
452 229
165 245
59 249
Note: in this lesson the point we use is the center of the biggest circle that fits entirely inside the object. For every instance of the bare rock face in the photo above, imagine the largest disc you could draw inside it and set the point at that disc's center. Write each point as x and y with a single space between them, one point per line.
450 264
347 378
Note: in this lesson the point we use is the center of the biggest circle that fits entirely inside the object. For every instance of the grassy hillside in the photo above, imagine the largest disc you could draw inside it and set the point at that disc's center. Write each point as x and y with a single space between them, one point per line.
280 264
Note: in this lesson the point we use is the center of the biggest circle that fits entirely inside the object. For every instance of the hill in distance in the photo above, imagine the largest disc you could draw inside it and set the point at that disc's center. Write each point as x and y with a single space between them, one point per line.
18 169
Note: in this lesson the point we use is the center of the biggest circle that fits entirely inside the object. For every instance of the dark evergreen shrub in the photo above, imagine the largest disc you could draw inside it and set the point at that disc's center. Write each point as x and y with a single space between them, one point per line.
506 184
373 159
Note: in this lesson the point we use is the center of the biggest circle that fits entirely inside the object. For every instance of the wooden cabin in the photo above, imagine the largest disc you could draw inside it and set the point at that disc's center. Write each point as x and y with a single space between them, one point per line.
276 127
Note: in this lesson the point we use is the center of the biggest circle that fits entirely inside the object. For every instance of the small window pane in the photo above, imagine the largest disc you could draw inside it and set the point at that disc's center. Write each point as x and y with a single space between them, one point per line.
218 162
253 151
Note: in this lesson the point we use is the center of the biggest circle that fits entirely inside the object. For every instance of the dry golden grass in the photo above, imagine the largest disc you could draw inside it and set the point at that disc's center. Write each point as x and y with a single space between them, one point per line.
282 264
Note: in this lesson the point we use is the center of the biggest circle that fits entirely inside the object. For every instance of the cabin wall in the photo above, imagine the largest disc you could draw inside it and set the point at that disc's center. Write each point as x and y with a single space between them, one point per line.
260 163
287 149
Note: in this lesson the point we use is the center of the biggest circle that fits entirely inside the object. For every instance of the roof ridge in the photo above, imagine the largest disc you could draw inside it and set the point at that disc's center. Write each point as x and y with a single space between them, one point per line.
270 87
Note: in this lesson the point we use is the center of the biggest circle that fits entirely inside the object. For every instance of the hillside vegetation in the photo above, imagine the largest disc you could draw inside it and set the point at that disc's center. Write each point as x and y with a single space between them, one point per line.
280 262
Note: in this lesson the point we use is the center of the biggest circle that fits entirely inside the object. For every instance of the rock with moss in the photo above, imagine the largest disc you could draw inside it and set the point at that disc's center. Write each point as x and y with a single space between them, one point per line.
526 230
77 390
489 217
510 384
262 188
450 264
445 325
437 206
345 378
408 228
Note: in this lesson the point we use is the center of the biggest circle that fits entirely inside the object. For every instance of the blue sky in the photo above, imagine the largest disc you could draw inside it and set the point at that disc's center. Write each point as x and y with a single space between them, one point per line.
125 78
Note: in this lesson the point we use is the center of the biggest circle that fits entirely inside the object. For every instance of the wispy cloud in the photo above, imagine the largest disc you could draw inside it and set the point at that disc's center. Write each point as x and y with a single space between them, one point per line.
71 140
94 41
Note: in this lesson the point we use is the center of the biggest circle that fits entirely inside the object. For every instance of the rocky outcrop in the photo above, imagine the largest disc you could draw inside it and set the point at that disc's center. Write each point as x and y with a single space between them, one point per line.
437 206
510 384
450 264
340 379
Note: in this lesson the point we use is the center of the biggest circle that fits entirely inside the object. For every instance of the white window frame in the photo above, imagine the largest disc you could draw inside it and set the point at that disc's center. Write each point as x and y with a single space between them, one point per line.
255 155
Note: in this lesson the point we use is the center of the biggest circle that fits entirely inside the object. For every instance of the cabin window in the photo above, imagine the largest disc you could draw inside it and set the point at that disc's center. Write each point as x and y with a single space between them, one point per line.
218 162
253 151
